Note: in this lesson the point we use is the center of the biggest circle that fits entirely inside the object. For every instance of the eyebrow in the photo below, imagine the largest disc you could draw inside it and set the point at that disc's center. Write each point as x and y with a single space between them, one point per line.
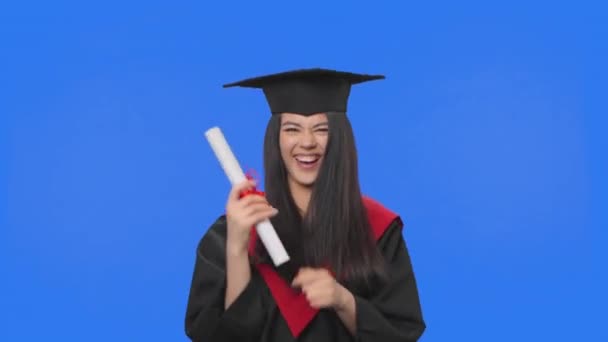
286 123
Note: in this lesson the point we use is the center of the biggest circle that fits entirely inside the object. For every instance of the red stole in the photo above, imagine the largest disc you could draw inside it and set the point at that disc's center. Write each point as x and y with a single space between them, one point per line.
293 304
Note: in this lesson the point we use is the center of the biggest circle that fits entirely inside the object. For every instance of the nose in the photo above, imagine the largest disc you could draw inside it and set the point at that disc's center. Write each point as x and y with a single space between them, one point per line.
308 139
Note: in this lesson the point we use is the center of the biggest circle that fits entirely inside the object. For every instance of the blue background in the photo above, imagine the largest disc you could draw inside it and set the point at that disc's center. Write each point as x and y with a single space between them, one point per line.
486 136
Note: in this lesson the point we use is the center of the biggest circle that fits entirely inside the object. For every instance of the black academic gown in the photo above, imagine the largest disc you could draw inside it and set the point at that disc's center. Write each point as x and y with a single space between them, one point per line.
391 313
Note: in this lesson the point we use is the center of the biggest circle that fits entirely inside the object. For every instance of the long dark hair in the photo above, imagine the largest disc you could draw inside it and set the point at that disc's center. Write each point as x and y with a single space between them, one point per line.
335 231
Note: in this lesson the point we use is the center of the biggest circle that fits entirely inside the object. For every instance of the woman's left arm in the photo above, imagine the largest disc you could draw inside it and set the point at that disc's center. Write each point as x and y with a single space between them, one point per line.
347 310
393 311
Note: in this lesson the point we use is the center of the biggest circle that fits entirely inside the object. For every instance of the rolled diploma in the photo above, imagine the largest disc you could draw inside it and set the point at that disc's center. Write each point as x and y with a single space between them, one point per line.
235 174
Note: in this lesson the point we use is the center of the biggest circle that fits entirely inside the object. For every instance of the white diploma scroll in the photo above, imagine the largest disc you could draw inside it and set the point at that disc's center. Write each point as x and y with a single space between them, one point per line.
235 174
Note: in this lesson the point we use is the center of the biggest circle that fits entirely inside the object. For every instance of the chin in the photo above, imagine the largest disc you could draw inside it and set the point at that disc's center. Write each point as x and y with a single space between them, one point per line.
306 182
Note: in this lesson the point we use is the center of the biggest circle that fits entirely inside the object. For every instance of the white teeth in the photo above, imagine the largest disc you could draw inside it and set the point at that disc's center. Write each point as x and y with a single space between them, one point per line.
307 159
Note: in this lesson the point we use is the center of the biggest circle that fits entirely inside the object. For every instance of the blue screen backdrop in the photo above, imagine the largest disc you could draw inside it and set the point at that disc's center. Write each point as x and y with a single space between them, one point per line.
487 137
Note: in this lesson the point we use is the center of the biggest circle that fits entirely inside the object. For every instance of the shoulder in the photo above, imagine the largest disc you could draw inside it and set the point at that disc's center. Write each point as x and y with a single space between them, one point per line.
214 239
381 218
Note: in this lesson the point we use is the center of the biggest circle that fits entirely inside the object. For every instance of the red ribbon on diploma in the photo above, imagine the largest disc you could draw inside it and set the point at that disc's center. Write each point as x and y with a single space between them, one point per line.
250 175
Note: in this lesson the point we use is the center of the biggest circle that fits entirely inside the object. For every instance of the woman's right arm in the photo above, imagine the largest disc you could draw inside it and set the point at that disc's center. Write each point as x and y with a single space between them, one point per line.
225 301
241 215
207 317
238 274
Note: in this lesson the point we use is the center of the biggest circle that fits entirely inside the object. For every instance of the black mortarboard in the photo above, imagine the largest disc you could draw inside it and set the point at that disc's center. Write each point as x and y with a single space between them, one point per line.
306 91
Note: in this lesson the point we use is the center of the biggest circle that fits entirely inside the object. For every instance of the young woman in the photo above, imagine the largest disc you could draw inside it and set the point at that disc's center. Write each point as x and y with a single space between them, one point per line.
349 277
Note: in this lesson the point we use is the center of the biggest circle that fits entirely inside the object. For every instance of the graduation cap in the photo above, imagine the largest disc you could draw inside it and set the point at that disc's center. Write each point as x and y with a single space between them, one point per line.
306 91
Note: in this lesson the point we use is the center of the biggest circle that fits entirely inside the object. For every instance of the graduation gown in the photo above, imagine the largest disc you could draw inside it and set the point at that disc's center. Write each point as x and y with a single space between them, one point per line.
269 310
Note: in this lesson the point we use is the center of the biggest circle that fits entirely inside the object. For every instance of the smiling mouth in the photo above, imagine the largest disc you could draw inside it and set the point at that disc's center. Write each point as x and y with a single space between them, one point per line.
307 161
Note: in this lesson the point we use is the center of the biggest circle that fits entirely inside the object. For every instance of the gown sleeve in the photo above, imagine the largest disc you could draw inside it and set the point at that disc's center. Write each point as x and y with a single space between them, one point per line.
206 319
392 312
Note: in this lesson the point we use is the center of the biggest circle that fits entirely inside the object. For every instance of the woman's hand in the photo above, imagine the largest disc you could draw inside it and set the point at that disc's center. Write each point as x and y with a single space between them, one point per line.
243 213
321 289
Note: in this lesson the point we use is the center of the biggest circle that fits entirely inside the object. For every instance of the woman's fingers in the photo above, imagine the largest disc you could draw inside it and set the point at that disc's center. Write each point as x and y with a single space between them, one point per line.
263 215
254 208
235 192
252 199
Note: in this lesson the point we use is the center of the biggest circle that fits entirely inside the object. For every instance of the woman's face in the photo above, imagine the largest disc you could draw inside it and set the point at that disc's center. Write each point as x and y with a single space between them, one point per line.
302 141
